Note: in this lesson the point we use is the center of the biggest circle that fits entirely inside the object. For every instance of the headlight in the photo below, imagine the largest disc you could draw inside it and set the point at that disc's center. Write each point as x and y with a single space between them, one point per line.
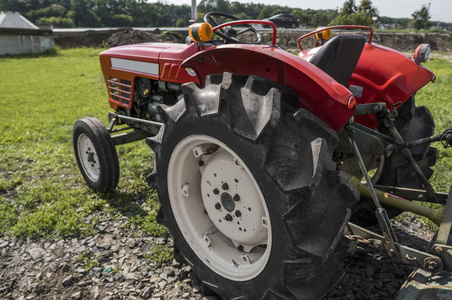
422 53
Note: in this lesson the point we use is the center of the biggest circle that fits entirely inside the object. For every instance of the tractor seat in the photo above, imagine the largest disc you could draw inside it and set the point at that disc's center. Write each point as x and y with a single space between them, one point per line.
339 56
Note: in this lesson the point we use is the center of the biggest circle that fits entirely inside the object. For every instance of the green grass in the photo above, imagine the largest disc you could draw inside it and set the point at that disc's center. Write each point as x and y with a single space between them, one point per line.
41 190
42 193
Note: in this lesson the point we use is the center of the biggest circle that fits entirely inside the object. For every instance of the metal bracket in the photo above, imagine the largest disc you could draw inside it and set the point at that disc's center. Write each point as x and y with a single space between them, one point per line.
446 223
420 259
412 194
390 237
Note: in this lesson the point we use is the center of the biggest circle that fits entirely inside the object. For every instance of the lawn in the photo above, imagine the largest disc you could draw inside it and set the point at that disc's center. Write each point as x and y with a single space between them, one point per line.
41 190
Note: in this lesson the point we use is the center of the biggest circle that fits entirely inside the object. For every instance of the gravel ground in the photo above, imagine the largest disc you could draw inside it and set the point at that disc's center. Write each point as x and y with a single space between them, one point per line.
52 269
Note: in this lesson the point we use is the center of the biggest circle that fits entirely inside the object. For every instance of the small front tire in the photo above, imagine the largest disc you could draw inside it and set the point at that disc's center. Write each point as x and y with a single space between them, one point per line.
96 154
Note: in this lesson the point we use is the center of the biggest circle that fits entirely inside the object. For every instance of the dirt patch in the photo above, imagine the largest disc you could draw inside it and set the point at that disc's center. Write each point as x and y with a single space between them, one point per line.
405 42
409 41
113 38
129 37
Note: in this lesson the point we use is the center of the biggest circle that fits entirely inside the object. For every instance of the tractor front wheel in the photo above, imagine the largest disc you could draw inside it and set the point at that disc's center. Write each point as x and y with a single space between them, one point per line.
249 191
95 154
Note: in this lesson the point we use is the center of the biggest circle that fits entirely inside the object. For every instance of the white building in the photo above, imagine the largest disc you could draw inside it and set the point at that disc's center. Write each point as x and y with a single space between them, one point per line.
20 36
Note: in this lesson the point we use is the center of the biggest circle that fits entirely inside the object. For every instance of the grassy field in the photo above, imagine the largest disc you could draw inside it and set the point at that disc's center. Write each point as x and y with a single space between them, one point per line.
41 190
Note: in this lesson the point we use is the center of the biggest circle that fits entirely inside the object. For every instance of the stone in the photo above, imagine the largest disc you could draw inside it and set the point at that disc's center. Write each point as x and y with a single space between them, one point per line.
36 253
76 296
5 252
67 281
80 249
147 293
131 277
162 284
120 277
65 268
95 292
105 246
96 272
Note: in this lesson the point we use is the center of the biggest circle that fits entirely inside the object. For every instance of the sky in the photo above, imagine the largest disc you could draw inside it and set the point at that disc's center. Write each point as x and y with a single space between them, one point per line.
440 10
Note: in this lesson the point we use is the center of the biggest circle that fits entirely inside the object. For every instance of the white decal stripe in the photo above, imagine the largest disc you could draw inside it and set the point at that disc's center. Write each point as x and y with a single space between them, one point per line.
133 65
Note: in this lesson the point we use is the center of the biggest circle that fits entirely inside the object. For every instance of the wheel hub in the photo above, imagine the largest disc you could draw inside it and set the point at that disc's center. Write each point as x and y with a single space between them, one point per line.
231 200
219 207
88 157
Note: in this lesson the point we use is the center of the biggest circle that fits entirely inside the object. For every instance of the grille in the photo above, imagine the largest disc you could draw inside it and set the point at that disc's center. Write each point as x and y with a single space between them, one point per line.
119 90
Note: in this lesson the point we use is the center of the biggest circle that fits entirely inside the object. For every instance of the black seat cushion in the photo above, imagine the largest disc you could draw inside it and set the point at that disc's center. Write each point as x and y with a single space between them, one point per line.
339 56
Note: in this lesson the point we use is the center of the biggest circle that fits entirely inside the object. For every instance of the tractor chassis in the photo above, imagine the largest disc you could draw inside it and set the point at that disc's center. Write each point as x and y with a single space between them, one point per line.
131 136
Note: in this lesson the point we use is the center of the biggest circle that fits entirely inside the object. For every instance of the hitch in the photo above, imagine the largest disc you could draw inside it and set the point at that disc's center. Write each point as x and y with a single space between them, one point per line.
440 257
445 138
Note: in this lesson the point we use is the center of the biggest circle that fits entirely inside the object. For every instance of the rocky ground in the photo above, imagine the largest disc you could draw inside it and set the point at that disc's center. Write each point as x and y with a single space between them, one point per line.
116 264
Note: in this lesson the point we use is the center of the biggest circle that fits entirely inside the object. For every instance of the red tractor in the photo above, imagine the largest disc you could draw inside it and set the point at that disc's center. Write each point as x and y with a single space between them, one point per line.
262 157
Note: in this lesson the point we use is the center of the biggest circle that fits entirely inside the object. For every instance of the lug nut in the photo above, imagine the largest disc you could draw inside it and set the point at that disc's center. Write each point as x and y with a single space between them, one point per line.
201 163
225 186
238 214
236 197
228 218
216 191
218 206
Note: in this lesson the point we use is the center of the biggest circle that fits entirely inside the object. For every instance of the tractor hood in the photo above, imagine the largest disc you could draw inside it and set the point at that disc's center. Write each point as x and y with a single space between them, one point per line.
160 61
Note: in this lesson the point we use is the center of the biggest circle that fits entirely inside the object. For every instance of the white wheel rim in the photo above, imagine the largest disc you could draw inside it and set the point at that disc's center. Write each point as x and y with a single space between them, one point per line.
88 157
227 226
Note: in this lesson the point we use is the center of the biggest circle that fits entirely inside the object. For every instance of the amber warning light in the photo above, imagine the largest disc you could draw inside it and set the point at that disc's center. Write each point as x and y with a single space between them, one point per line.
201 32
323 35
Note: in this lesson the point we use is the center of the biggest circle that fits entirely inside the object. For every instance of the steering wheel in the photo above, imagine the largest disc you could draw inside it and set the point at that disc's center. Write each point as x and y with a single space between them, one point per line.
228 33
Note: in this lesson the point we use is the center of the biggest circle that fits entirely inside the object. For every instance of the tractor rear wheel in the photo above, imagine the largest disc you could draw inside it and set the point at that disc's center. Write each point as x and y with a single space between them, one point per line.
95 154
413 123
249 191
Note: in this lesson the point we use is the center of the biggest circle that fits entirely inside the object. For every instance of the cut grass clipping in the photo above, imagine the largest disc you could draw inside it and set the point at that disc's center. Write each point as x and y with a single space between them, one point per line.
42 193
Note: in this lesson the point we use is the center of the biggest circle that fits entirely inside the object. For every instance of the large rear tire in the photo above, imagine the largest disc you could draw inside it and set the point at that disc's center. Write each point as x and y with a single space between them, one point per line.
249 191
96 154
413 123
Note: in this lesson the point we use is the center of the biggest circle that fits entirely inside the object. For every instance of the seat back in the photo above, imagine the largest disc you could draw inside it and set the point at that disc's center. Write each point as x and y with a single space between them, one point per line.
339 56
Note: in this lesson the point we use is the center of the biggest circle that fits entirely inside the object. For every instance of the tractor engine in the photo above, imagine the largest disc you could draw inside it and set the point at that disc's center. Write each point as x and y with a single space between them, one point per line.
149 94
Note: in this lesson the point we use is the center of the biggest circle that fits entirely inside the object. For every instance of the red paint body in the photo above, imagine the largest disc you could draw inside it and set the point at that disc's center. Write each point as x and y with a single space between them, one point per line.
385 75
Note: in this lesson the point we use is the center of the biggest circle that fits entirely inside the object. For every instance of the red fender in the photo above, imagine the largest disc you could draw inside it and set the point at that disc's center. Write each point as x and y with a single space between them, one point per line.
318 92
386 75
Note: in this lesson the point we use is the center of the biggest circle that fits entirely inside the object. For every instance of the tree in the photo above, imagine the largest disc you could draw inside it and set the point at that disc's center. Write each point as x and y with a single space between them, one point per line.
303 16
352 15
180 22
420 18
320 19
57 22
367 8
348 8
265 13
